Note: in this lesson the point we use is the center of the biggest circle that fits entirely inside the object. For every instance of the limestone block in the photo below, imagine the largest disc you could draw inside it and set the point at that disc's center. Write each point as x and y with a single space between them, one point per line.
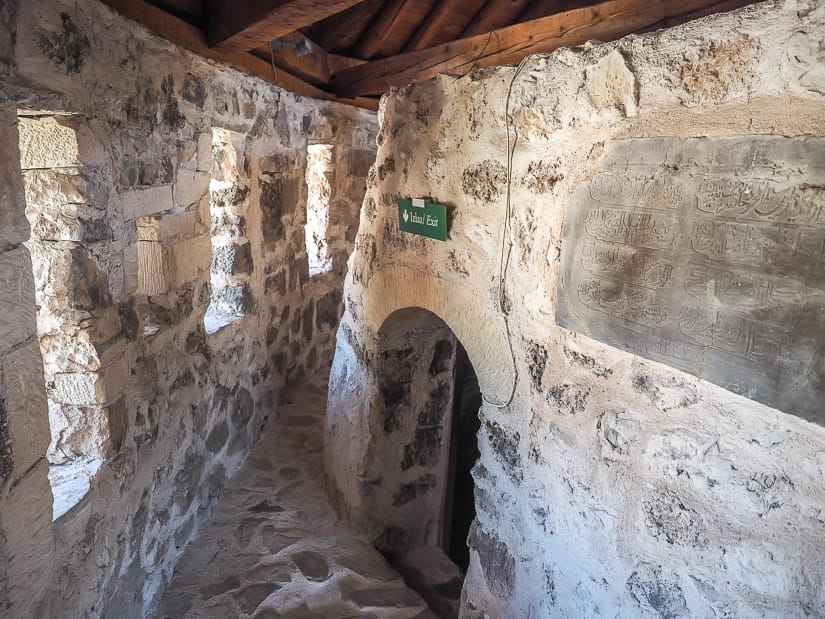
190 223
47 143
187 259
52 187
64 223
17 305
190 186
75 388
68 350
204 162
808 55
24 393
14 229
611 83
147 201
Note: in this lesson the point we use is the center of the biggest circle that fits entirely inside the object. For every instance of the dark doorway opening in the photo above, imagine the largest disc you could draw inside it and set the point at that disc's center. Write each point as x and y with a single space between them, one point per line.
425 427
460 509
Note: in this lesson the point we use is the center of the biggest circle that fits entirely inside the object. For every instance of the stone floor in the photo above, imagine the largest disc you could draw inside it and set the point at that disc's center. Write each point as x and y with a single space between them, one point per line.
274 548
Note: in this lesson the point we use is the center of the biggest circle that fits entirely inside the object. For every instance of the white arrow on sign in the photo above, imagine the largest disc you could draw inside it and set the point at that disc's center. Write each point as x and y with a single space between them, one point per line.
406 216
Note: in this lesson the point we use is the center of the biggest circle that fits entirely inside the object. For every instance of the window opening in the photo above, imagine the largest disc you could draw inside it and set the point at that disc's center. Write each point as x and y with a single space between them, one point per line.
69 232
320 172
231 251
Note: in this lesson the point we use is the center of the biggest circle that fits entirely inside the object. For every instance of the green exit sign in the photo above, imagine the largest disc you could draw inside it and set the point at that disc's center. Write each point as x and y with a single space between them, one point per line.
423 218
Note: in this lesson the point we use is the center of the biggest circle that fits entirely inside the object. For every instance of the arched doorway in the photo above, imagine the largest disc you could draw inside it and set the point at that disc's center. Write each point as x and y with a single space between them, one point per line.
424 424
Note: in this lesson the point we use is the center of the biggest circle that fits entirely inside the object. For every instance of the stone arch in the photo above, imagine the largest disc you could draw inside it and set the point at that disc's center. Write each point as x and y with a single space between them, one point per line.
392 506
372 297
473 320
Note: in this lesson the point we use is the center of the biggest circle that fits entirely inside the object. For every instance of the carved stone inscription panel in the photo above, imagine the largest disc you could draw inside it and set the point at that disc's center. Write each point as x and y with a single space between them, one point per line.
707 254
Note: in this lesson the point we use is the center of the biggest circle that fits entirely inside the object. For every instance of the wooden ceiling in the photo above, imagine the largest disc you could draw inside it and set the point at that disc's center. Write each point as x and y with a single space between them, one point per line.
355 50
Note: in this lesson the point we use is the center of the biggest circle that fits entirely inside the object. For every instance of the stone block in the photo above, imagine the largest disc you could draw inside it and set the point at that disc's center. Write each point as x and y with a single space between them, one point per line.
204 153
707 258
24 393
17 304
47 143
75 388
68 351
232 259
190 186
189 258
190 223
72 223
53 187
611 83
498 564
147 201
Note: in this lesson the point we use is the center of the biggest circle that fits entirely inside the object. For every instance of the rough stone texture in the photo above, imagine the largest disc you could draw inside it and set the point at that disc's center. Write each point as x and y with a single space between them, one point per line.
274 548
27 549
706 254
414 363
618 485
119 173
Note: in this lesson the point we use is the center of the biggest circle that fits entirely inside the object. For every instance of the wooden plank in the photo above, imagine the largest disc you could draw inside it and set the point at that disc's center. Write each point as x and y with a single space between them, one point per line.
190 10
192 38
391 28
341 63
495 14
444 23
250 24
543 8
606 21
339 33
368 103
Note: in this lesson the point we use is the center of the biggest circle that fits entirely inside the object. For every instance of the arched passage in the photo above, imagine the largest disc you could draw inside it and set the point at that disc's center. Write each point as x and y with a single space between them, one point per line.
423 428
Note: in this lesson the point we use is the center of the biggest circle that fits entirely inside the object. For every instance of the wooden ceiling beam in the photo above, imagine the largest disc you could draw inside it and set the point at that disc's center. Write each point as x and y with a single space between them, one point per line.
443 23
190 10
340 32
605 22
543 8
494 15
385 34
191 37
250 24
296 54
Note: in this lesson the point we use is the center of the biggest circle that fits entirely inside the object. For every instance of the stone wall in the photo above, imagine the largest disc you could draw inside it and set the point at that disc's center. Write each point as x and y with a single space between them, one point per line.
625 476
415 364
155 184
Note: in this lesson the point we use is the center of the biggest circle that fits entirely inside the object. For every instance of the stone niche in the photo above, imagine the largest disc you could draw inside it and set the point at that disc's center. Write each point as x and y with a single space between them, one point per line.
706 255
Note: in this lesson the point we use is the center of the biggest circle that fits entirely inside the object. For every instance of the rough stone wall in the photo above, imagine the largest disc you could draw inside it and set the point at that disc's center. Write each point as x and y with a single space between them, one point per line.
610 484
122 216
27 550
416 361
